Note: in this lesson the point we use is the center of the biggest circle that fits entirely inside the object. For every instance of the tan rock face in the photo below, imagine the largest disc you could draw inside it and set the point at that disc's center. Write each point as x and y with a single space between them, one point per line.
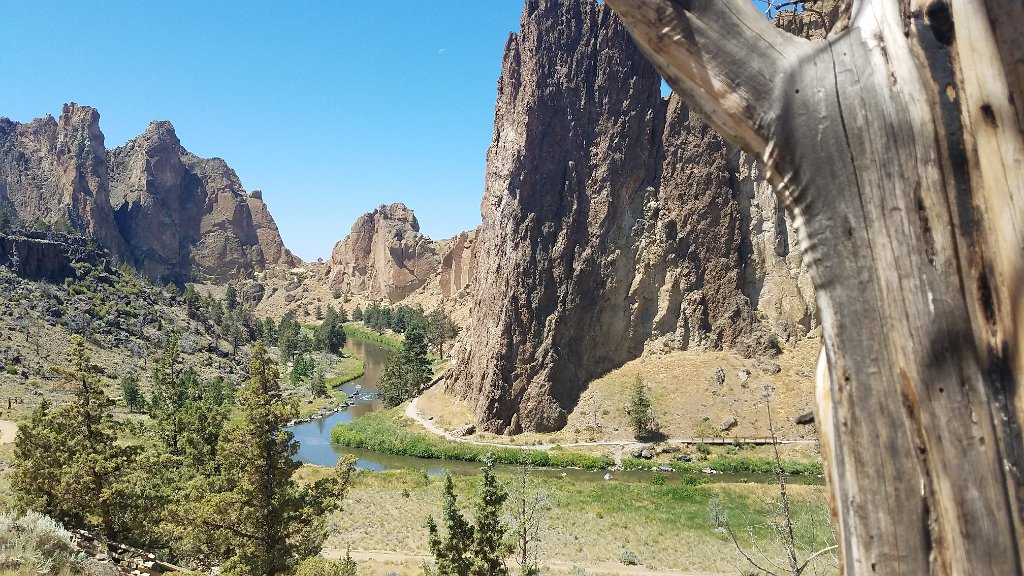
175 216
55 172
187 217
457 266
384 256
614 221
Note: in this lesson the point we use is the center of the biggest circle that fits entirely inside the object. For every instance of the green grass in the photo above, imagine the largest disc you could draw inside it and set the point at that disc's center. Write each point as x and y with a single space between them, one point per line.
388 431
364 333
348 368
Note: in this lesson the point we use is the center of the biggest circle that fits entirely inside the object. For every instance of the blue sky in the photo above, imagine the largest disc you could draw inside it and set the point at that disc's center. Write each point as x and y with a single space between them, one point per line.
331 108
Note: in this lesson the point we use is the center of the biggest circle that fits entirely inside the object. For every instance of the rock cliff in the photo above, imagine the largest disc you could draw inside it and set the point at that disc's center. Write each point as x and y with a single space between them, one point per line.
151 203
384 256
47 255
54 172
614 221
187 216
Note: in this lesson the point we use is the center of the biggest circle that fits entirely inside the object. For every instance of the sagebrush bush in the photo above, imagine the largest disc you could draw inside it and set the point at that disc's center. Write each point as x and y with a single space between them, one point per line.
32 543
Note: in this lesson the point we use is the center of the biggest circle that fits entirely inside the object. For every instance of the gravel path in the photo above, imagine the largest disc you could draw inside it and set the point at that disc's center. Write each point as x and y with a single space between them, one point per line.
603 568
7 431
413 413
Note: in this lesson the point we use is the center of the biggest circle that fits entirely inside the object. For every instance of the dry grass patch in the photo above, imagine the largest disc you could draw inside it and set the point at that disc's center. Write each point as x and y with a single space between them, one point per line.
589 524
688 401
446 411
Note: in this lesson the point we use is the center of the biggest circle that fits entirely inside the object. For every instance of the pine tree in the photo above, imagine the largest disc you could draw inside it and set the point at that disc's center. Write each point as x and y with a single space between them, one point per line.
452 551
406 372
289 335
132 394
440 329
257 516
268 330
358 315
231 297
330 336
318 384
490 546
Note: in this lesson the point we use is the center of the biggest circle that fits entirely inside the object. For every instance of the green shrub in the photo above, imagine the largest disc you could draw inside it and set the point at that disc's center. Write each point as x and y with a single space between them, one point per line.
629 558
694 480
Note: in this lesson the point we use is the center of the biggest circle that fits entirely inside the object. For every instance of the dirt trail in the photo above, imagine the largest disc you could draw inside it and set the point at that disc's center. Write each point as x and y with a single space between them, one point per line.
7 431
412 412
603 568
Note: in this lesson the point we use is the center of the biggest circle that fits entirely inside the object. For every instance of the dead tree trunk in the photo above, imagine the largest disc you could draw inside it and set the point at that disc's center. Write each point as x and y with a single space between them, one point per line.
898 146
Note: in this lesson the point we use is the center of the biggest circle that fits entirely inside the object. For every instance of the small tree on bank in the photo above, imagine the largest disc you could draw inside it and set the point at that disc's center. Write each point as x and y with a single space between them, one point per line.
641 411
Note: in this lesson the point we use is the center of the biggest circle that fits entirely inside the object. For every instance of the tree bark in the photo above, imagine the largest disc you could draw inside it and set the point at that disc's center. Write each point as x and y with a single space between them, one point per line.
897 145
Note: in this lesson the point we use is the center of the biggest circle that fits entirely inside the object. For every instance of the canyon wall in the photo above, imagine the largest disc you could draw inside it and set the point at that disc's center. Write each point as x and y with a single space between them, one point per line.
615 222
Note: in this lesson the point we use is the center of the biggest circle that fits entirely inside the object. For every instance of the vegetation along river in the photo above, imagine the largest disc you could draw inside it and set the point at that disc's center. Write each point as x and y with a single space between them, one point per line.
315 445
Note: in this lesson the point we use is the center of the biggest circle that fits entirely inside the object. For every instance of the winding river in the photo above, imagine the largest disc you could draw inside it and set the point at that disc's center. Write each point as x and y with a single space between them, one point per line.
315 437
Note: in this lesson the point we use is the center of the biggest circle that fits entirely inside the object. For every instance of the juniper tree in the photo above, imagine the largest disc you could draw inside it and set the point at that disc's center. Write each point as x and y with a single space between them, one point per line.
452 550
66 459
132 393
641 410
255 515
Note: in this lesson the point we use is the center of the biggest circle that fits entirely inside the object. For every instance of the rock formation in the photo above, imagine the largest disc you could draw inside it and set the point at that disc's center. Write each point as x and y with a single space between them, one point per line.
54 172
46 255
457 266
614 221
183 215
384 256
150 202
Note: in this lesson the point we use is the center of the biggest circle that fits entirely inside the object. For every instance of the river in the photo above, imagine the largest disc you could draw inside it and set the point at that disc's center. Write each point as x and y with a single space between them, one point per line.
315 437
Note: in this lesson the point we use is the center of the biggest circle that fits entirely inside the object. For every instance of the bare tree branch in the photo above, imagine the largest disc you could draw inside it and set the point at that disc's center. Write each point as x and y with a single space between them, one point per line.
722 56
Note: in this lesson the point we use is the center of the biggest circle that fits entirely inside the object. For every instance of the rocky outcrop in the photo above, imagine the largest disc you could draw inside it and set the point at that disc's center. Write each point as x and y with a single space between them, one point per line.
384 256
54 173
46 256
185 216
151 203
457 266
614 222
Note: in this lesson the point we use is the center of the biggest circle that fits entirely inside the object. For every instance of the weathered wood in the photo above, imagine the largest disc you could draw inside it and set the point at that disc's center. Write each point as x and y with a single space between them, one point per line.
898 146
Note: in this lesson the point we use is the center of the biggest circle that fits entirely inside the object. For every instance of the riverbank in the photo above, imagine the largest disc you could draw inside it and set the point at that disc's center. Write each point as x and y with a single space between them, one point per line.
587 524
349 369
391 432
358 330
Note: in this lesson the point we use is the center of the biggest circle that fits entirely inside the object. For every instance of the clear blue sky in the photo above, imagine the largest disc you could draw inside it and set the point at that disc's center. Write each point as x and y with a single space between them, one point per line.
331 108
